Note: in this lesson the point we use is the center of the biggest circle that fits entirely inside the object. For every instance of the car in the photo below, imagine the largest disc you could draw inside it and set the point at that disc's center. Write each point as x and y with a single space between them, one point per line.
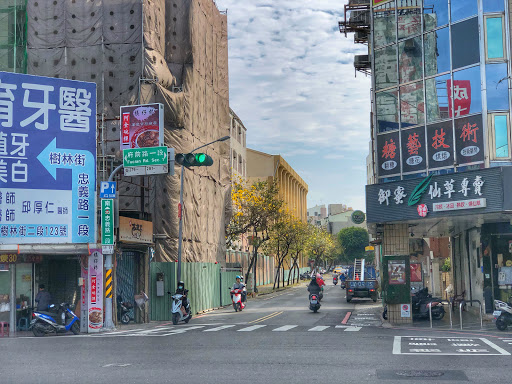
338 270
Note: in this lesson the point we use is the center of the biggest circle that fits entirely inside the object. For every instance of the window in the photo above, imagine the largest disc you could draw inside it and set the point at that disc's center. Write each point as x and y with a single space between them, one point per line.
465 43
497 87
409 19
500 136
467 92
437 52
493 5
494 48
435 13
384 24
410 59
412 105
387 110
385 67
437 98
462 9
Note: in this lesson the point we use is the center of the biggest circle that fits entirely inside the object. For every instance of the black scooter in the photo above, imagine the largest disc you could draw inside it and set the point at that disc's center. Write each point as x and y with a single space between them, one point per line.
502 315
123 310
314 302
421 302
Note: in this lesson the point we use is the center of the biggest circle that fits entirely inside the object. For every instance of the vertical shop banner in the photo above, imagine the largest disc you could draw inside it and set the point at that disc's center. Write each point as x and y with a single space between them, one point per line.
469 139
142 126
107 226
414 152
388 154
95 294
84 309
440 145
47 160
461 97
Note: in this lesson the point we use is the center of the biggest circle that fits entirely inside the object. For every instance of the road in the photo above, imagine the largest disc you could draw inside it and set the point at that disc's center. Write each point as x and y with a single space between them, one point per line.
275 339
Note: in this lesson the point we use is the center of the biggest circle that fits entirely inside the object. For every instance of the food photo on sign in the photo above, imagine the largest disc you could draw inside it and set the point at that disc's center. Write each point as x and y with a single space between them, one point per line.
142 126
396 272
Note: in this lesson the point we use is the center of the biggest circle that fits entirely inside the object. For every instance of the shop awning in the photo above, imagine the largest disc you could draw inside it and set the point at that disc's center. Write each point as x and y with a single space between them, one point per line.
49 249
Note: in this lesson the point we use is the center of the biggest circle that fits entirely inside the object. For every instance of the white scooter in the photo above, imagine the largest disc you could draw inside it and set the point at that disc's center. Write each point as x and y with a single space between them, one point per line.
178 312
236 297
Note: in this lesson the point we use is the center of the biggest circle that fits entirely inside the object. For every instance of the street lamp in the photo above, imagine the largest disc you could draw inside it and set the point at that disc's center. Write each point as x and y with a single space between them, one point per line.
180 213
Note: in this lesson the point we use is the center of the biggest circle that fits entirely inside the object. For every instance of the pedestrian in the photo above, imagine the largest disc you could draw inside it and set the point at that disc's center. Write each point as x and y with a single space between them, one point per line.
43 299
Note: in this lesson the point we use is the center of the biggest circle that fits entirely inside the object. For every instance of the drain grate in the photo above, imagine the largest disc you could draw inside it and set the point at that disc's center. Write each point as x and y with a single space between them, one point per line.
420 373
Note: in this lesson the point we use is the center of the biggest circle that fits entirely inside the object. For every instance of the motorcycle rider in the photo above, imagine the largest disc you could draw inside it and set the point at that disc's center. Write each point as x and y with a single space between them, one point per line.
313 287
239 285
320 280
180 290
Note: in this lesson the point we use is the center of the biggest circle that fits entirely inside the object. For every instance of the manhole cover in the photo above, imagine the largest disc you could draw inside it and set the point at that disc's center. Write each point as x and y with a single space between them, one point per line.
420 373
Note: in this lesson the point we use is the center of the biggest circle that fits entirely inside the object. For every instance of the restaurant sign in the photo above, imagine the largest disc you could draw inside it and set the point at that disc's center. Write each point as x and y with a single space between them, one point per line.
142 126
442 195
135 231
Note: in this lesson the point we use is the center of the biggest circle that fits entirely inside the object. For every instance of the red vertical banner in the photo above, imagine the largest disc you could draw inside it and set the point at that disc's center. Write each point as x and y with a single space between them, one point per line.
95 296
125 128
461 97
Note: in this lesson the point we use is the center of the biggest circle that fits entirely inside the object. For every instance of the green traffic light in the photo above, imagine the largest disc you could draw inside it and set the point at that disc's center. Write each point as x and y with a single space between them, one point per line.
200 158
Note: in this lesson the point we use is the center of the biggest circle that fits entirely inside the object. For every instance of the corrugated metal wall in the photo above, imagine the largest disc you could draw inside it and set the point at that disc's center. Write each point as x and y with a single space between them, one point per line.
127 274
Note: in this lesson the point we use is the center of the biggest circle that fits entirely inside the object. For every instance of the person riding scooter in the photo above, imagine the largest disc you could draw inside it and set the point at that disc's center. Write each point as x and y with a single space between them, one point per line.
313 287
180 290
239 285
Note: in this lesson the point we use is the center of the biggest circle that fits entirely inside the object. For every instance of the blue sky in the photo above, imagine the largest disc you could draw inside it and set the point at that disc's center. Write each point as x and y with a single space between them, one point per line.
292 83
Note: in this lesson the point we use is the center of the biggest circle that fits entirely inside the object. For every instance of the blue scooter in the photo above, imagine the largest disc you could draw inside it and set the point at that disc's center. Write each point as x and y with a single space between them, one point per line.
44 322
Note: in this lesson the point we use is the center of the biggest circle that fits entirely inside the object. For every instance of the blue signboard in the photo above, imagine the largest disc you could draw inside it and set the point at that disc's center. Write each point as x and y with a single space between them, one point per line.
47 160
108 189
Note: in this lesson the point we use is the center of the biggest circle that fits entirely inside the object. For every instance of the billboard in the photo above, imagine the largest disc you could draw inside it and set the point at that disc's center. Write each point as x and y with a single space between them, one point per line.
388 148
47 160
142 126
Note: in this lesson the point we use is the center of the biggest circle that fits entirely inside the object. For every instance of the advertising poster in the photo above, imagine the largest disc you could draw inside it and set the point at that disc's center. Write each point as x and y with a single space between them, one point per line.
95 294
47 160
461 97
84 322
416 275
396 272
413 150
142 126
388 152
469 139
440 145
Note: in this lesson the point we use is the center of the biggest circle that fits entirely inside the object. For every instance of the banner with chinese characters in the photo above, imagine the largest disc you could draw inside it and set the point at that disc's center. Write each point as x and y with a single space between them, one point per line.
413 150
469 139
95 291
455 194
388 154
461 97
47 160
440 145
142 126
135 231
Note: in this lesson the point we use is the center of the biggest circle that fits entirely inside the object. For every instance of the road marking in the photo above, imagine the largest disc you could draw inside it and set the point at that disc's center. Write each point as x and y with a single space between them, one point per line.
284 328
251 328
117 332
165 329
218 328
320 328
266 317
183 330
353 329
397 345
347 316
446 346
115 365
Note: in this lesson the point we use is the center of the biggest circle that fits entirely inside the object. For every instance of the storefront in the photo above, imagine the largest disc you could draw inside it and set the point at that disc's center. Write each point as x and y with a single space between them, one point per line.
473 209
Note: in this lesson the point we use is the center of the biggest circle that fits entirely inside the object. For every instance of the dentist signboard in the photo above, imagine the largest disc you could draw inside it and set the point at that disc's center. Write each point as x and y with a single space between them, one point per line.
47 160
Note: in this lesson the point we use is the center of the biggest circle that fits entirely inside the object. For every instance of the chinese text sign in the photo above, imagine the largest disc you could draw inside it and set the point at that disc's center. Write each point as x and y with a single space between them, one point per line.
47 160
95 291
142 126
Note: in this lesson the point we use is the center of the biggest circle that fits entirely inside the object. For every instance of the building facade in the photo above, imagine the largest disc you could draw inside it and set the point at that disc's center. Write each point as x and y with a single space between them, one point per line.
440 132
238 143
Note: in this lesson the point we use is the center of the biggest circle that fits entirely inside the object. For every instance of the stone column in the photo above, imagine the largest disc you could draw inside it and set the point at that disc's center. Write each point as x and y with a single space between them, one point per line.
396 242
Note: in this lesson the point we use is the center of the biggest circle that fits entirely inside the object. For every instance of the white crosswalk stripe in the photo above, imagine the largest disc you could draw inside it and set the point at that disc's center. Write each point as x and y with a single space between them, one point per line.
319 328
251 328
284 328
219 328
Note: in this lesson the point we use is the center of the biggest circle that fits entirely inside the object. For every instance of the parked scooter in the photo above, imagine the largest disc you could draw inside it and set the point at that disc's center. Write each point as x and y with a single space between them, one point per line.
314 302
335 279
123 310
45 322
422 301
502 315
179 313
236 297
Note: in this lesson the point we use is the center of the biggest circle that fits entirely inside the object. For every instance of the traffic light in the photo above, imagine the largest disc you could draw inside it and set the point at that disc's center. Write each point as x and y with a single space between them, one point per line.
193 159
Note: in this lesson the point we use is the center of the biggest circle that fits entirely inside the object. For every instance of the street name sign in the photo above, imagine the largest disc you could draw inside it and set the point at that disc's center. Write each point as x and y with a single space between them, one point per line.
107 226
47 160
137 157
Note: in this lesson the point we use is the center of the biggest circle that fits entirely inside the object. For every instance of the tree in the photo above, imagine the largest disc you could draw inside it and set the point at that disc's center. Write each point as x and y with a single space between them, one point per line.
298 247
256 208
353 241
320 244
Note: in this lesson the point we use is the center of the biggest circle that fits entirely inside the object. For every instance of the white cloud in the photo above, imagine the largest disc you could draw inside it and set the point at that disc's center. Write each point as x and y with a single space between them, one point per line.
292 83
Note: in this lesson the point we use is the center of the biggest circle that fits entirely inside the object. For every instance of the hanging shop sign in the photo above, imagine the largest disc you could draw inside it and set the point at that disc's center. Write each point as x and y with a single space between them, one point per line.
388 152
461 97
440 145
14 258
142 126
469 140
444 195
414 151
358 217
135 231
107 226
95 292
47 160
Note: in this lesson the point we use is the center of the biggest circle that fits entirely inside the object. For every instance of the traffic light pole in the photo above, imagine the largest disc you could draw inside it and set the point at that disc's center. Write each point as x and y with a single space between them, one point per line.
180 208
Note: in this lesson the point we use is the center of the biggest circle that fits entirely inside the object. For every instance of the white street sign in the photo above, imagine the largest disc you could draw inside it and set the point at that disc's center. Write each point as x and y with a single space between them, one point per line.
461 204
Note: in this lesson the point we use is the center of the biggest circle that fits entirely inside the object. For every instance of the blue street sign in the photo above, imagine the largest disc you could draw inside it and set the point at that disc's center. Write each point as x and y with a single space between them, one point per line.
47 160
108 190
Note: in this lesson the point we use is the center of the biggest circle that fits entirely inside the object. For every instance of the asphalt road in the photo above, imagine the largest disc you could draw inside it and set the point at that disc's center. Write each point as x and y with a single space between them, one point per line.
275 339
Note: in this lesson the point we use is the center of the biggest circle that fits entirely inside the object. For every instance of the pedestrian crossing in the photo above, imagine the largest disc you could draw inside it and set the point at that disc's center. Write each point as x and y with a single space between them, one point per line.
507 341
161 331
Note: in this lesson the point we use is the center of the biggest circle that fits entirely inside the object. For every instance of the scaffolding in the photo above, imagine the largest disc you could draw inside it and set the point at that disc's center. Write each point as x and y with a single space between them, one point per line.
356 19
13 36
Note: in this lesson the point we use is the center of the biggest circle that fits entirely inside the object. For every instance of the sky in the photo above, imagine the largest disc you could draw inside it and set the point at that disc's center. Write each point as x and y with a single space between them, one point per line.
292 84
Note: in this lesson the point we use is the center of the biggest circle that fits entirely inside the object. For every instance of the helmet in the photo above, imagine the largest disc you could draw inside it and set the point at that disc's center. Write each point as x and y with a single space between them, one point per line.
313 278
181 284
238 277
